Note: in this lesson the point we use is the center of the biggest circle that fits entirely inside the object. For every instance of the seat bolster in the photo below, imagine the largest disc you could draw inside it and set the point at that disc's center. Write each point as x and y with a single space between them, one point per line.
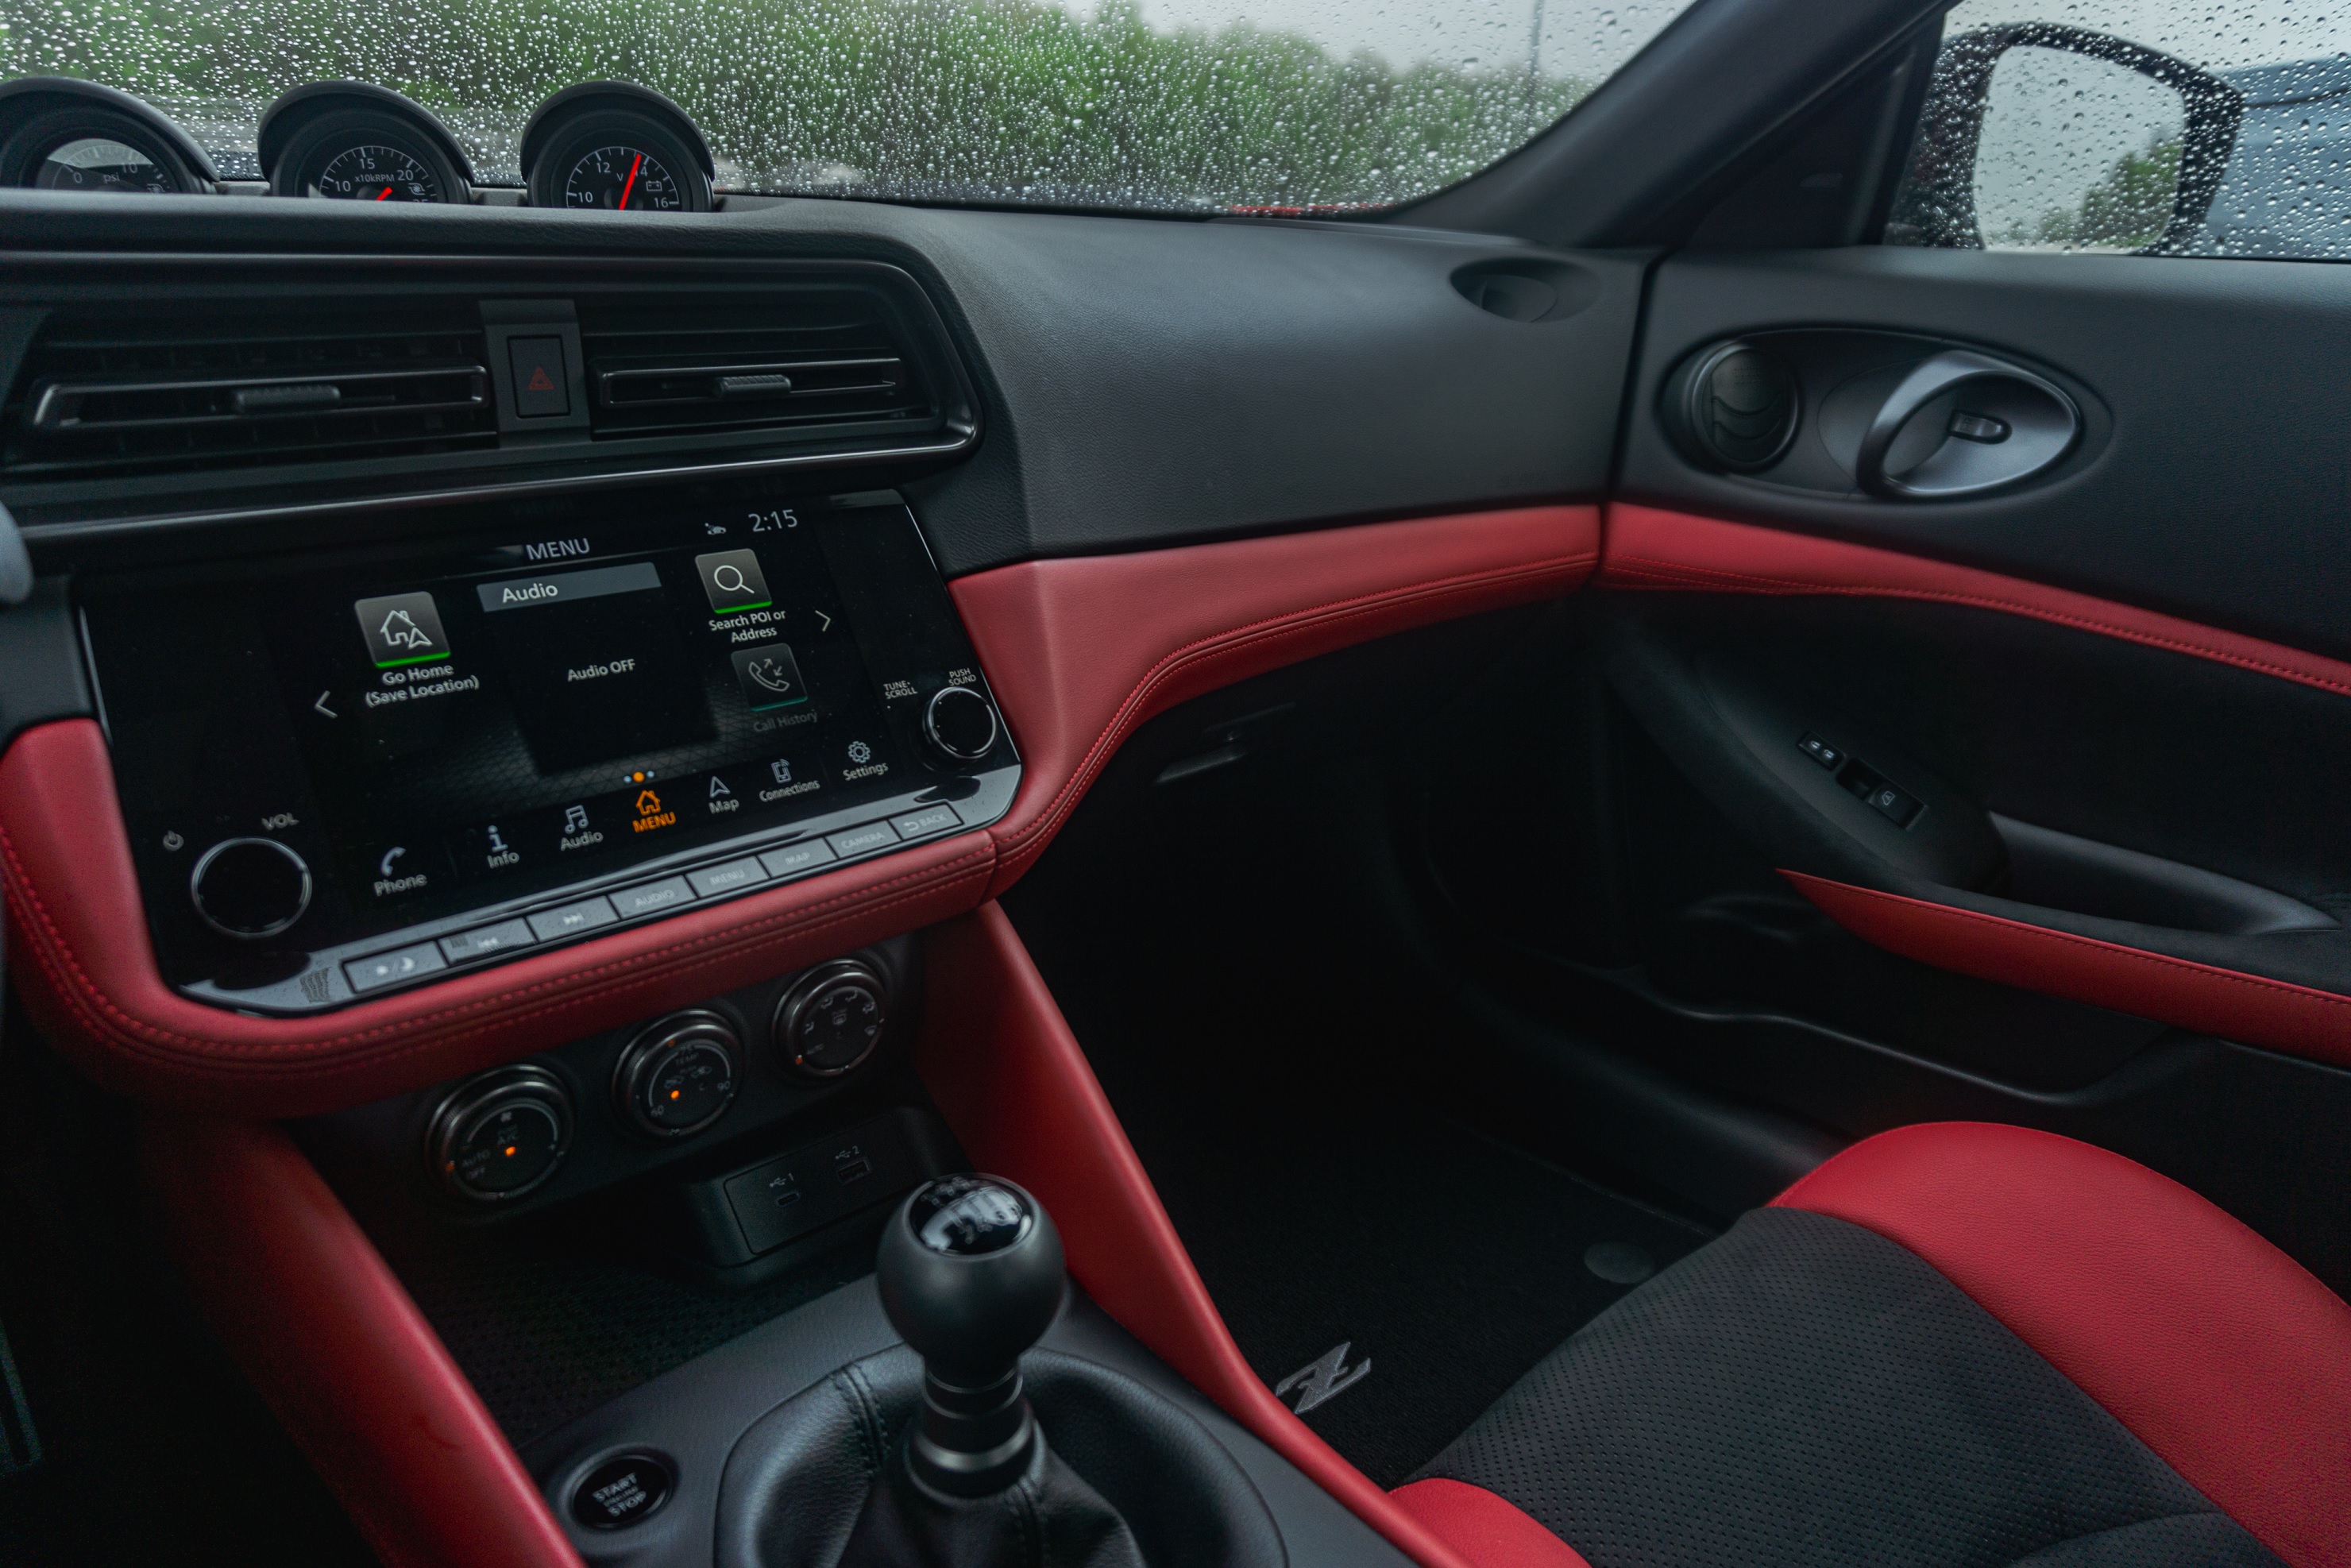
2218 1351
1491 1531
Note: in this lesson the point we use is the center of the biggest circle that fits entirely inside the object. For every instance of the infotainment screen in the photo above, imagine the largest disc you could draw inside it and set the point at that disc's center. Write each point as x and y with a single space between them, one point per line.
440 732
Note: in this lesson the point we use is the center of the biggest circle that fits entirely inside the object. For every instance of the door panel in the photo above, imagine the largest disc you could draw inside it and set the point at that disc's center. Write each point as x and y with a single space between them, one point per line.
2112 702
2215 492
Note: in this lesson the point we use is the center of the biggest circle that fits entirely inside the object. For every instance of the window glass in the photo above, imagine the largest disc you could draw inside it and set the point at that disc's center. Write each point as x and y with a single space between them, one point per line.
2178 127
1181 105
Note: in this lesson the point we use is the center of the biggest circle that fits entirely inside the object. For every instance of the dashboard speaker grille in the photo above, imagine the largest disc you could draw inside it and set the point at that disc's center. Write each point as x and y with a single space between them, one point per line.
100 397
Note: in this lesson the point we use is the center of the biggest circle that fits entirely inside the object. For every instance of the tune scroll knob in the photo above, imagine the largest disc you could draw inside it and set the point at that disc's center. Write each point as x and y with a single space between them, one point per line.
250 889
960 723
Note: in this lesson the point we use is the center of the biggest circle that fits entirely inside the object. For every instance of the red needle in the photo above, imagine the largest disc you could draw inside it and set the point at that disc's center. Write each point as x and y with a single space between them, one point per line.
632 181
384 195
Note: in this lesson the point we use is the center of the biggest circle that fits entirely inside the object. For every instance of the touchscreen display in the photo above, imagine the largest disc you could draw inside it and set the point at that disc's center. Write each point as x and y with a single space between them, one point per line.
446 731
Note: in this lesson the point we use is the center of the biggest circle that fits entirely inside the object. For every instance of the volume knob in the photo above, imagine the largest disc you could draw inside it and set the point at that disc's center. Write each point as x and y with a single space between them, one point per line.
960 723
250 889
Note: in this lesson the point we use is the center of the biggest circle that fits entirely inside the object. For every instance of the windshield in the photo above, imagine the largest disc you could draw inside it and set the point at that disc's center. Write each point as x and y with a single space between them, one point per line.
1173 105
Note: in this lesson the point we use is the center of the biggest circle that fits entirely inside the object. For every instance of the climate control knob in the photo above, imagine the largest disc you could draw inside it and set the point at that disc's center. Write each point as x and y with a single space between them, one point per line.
501 1134
960 723
831 1020
680 1075
250 889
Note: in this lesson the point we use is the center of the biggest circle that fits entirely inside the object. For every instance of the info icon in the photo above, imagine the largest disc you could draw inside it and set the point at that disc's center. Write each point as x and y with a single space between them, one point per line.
402 628
770 676
733 580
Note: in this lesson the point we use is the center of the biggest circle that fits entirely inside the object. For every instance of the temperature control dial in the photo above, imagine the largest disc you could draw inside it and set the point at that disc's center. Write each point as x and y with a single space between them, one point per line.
500 1136
831 1020
250 889
680 1075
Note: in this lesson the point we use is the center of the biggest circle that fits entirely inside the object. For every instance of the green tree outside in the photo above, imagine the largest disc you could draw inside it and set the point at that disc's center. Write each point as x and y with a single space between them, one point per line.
950 100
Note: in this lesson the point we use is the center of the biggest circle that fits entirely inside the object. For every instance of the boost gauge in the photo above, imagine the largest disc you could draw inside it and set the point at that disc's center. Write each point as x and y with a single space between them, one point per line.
62 135
348 141
616 148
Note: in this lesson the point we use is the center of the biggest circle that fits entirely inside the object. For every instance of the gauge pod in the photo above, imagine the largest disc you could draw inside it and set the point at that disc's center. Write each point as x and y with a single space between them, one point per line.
352 141
616 147
58 134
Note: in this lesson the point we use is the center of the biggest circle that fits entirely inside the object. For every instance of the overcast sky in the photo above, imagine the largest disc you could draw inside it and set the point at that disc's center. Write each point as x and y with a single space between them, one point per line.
1580 37
2220 32
1591 37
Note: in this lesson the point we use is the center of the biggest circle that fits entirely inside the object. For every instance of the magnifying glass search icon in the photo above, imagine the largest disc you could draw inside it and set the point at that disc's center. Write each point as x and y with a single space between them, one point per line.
729 578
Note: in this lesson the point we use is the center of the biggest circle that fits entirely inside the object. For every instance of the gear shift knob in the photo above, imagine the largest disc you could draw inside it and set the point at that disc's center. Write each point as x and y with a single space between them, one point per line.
970 1273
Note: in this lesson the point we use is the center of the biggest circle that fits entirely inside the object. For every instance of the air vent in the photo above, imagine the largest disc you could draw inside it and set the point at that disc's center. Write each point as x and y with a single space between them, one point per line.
100 397
823 364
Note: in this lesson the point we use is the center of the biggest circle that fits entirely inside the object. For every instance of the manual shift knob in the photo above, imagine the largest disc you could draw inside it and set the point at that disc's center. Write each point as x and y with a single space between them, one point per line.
971 1275
970 1271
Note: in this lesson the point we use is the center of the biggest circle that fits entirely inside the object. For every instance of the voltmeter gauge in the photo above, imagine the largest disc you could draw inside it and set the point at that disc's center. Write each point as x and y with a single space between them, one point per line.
616 147
622 178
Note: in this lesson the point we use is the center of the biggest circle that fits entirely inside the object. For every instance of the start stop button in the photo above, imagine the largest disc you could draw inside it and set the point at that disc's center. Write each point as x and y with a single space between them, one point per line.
623 1491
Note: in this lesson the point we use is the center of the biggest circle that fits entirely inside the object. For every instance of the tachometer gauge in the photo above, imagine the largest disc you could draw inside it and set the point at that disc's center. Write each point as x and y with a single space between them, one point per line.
375 172
57 134
350 142
619 180
613 147
97 163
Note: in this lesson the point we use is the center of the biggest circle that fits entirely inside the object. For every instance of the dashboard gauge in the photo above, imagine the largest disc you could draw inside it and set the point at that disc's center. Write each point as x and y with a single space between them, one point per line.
348 141
104 166
375 172
616 148
57 134
622 178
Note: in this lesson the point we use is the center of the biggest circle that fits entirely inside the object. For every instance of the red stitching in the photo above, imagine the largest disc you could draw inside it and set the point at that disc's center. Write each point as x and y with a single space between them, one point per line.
1678 574
1272 628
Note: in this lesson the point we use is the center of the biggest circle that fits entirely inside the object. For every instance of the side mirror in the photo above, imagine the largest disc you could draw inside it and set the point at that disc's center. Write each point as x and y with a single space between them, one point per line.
2139 178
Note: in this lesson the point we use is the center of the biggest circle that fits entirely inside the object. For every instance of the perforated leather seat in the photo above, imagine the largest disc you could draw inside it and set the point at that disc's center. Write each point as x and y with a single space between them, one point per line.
1954 1343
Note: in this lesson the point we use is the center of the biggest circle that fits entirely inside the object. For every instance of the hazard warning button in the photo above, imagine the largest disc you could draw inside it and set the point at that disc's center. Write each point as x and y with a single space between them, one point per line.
540 387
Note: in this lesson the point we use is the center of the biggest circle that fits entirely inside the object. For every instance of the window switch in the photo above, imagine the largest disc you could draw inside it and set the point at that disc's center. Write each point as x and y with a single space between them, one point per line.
1892 804
1821 751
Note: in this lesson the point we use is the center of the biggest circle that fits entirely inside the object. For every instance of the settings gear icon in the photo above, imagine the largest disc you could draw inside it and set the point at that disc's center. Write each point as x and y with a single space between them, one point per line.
859 752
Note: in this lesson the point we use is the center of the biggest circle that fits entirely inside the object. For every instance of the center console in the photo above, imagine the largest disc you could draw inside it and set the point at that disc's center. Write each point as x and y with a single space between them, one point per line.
359 771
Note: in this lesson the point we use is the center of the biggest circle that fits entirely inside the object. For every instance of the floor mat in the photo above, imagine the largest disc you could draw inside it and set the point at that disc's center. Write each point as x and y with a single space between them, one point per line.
1445 1263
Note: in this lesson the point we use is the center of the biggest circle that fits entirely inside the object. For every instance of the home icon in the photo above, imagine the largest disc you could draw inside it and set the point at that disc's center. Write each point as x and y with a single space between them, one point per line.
648 803
399 632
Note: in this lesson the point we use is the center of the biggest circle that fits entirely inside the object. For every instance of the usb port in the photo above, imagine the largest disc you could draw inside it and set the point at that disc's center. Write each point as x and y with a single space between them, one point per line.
855 1170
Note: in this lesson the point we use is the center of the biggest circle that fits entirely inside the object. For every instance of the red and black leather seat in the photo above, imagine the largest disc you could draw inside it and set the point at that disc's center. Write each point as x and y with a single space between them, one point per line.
1954 1343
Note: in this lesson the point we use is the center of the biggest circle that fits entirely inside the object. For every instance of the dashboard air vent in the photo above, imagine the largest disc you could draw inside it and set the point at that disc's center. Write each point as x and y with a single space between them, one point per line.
815 364
102 397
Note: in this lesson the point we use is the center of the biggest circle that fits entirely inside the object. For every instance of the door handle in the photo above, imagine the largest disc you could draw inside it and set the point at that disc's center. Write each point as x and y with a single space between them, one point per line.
1962 424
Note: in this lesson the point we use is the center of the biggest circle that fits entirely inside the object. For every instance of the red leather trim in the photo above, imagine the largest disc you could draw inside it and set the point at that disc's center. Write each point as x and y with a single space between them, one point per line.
1647 548
1082 651
324 1330
1010 1079
2247 1008
2217 1349
1490 1531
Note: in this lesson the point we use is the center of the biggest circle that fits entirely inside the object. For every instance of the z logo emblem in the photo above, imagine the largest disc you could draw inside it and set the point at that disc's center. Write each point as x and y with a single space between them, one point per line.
1323 1379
